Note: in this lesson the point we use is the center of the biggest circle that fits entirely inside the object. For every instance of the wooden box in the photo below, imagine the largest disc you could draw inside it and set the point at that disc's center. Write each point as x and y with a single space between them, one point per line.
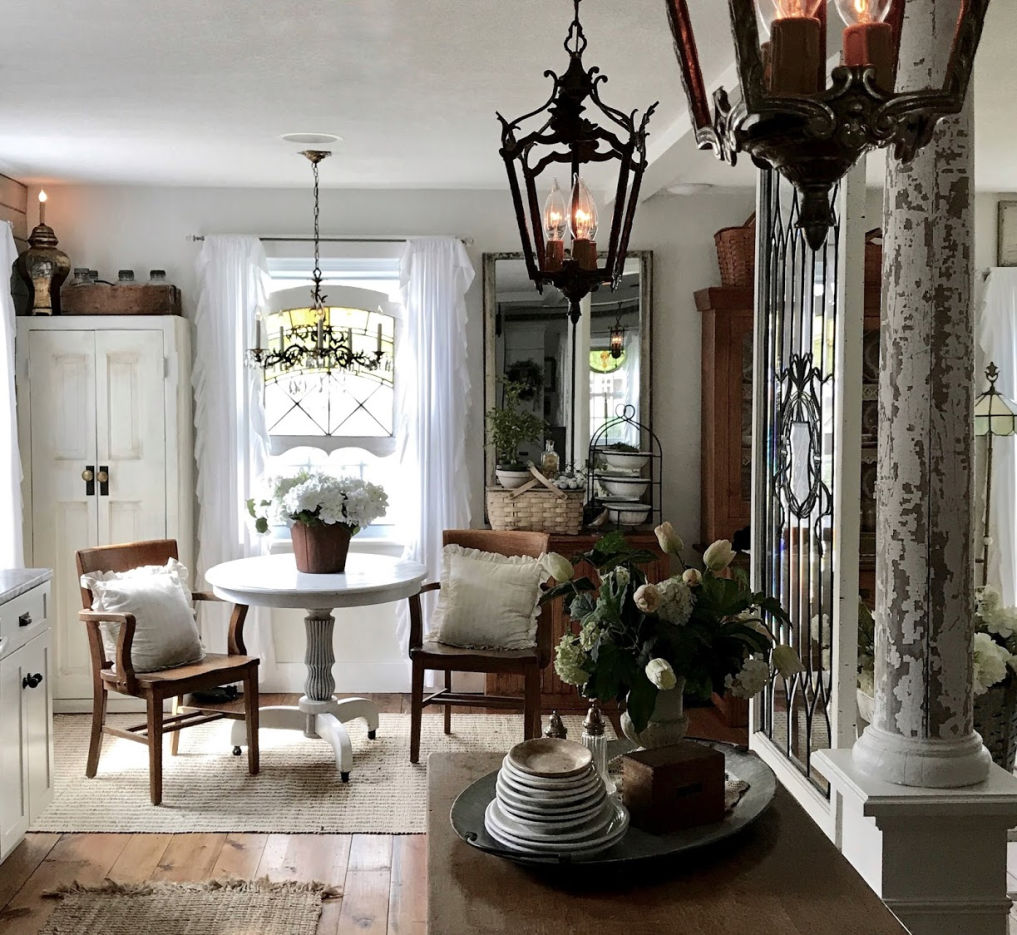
674 787
136 299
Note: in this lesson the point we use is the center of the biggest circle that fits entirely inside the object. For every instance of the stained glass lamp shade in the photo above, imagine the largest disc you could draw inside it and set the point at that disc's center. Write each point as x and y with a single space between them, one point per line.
995 414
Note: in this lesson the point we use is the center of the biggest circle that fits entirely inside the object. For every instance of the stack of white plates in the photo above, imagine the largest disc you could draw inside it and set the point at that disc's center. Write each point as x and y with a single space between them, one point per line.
550 800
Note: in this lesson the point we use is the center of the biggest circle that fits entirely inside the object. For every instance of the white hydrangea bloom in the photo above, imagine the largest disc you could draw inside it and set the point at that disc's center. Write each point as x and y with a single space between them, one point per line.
676 601
347 500
990 662
751 680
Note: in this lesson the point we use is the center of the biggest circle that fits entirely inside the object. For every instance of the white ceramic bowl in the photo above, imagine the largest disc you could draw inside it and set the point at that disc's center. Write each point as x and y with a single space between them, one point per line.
624 460
624 488
627 514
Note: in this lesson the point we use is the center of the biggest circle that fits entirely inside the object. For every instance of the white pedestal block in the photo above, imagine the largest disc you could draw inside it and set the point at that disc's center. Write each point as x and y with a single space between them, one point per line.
936 857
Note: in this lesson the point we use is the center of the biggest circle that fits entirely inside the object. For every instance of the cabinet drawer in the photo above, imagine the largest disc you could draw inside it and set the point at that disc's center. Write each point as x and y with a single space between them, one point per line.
22 618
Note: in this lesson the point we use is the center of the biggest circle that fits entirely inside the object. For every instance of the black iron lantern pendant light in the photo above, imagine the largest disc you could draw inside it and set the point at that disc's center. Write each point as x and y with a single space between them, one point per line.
791 119
564 137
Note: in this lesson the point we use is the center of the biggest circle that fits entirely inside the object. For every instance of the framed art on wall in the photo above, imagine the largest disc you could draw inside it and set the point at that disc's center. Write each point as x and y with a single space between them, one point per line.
1006 253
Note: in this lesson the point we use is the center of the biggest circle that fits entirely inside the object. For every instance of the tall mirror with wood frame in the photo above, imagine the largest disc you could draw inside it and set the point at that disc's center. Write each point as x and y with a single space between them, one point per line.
530 366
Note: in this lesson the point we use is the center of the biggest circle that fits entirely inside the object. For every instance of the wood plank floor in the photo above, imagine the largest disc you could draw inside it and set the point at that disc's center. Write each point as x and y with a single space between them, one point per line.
383 877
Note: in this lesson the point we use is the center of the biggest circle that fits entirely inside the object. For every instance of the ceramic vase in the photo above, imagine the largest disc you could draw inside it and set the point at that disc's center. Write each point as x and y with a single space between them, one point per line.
322 549
668 723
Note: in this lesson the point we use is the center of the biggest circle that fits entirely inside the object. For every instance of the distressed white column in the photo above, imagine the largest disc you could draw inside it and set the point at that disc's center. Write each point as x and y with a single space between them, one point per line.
921 732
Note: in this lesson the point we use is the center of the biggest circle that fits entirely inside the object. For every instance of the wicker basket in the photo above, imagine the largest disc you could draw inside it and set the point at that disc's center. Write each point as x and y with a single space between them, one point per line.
736 254
537 506
996 721
874 257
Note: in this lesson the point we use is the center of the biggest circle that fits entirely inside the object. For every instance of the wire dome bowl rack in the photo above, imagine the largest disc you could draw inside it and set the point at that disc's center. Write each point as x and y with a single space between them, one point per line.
624 481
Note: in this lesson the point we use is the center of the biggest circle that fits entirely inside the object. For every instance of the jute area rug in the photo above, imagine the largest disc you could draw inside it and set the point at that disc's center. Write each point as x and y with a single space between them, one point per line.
230 908
298 790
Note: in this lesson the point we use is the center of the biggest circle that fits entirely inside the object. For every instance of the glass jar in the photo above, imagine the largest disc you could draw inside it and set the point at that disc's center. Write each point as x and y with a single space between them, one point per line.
549 462
594 740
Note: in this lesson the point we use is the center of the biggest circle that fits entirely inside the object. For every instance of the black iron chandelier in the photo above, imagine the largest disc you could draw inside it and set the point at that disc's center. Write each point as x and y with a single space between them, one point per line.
315 345
790 119
563 136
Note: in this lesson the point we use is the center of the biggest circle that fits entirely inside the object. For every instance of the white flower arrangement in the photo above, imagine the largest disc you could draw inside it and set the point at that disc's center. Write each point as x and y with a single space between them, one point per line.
317 497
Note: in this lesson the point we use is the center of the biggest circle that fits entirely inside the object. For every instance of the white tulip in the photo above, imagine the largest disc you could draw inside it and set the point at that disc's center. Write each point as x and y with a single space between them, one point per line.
692 577
785 660
670 542
660 673
719 555
558 567
647 598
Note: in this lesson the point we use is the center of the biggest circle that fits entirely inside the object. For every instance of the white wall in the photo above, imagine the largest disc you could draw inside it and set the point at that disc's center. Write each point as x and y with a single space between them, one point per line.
108 228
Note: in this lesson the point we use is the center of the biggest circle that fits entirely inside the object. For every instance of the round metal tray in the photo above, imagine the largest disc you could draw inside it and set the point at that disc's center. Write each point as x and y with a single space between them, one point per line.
467 818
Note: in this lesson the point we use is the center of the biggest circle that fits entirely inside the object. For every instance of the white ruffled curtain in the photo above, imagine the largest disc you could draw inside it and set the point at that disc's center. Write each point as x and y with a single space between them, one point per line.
231 439
11 544
997 338
433 388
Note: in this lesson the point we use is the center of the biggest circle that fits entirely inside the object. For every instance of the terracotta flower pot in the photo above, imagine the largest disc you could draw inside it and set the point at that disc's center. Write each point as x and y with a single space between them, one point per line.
321 550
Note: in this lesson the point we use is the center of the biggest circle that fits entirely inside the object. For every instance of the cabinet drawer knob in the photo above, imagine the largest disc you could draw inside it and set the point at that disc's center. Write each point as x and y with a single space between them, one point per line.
25 620
32 681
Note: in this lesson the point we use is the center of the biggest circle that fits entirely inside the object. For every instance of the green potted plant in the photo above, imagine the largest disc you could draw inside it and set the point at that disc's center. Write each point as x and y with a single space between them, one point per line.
508 426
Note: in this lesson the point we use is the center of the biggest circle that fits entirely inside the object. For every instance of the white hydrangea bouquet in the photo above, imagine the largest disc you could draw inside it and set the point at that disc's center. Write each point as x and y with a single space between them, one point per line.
995 640
316 498
701 630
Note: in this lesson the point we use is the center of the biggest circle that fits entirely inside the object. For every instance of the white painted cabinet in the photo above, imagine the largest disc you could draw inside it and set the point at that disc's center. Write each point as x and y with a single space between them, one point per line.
26 713
105 427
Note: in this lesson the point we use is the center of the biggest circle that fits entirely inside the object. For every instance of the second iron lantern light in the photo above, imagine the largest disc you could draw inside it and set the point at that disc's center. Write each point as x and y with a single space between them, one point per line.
814 132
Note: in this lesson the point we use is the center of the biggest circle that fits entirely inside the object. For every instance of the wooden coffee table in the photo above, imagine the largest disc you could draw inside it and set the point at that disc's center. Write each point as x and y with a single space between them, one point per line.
780 875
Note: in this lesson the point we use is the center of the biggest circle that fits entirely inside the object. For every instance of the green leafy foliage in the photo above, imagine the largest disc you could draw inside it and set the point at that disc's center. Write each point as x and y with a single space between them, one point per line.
511 424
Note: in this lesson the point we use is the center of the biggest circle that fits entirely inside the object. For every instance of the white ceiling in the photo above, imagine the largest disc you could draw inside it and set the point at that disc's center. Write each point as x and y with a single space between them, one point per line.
192 92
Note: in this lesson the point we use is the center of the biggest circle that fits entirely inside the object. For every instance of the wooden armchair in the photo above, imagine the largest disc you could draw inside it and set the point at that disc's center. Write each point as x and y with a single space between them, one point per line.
448 659
155 687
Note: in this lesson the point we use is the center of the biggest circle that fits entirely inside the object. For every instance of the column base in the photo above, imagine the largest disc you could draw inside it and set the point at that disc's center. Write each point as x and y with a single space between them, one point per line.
936 857
928 764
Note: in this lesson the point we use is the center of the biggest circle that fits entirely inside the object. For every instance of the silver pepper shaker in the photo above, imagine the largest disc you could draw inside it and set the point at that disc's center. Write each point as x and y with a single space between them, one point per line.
556 728
594 740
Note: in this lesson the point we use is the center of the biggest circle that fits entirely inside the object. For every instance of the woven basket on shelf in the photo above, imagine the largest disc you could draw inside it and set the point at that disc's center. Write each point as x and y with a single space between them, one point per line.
736 254
537 506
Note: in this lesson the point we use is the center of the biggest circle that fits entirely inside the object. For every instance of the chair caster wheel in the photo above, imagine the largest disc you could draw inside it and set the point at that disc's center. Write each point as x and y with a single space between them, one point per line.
237 751
372 735
345 777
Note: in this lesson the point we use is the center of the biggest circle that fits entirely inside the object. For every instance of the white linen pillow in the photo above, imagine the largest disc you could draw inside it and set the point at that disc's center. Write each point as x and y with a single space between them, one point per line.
487 600
166 635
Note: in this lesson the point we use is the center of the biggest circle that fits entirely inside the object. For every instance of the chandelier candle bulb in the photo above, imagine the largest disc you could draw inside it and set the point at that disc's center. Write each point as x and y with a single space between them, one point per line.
42 207
795 59
871 44
554 255
379 339
257 330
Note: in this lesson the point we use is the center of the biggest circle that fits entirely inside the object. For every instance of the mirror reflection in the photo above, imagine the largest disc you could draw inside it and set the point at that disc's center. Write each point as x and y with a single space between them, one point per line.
532 368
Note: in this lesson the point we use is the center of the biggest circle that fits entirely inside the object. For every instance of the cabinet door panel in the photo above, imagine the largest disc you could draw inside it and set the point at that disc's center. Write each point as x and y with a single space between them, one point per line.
13 754
131 435
38 720
64 519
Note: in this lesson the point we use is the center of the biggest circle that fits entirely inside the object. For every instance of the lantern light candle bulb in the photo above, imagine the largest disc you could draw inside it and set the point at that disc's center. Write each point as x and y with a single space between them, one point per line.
794 54
43 197
584 222
379 339
554 228
257 330
868 40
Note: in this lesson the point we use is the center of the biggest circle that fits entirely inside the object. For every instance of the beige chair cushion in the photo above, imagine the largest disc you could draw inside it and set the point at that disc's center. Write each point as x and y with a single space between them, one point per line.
166 635
487 600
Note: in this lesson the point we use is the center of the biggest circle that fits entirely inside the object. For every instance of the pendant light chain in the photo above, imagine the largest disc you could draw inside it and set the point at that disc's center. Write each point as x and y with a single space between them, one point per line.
317 297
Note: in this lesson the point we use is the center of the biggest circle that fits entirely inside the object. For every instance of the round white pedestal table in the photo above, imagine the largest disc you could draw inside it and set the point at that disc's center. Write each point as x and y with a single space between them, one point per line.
273 581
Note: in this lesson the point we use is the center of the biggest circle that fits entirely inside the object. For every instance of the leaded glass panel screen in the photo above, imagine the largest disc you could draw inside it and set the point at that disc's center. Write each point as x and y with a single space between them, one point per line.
796 324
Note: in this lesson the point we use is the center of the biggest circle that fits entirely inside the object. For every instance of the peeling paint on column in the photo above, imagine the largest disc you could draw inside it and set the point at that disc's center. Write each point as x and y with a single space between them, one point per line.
924 593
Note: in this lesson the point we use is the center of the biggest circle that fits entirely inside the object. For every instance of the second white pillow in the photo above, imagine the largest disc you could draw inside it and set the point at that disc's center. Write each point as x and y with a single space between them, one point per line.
487 600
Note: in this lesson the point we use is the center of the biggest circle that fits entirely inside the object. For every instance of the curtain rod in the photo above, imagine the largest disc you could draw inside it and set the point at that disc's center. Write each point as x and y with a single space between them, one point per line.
467 241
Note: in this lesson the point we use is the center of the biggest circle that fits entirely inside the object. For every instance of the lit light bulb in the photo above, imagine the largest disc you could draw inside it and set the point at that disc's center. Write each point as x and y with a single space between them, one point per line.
770 10
42 206
859 12
555 211
583 212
